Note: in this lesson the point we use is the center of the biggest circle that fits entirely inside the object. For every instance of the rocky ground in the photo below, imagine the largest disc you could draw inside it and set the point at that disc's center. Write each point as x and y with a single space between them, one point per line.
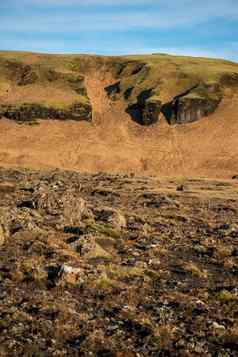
117 265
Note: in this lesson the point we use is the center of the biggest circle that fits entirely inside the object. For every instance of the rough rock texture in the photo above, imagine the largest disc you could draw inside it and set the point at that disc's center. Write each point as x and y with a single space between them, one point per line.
30 111
113 90
142 270
190 106
147 108
111 216
189 109
42 82
194 104
131 77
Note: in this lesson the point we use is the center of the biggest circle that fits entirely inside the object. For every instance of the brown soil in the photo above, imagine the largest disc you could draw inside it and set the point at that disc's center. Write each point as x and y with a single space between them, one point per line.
114 143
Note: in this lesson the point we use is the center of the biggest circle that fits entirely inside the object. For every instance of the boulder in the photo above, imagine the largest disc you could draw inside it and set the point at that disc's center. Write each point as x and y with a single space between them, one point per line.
111 216
60 275
67 205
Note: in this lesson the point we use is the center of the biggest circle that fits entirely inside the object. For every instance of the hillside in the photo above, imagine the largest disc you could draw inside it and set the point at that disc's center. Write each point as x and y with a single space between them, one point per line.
155 114
118 206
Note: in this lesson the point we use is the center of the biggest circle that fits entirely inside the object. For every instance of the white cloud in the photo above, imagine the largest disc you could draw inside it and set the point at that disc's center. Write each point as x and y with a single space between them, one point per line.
86 19
165 16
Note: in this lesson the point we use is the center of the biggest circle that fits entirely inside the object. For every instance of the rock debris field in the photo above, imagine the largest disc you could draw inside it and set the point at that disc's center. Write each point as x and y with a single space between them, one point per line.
117 265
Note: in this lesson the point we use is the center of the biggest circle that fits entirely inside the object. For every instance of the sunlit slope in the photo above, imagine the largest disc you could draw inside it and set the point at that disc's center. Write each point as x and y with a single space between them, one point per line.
113 140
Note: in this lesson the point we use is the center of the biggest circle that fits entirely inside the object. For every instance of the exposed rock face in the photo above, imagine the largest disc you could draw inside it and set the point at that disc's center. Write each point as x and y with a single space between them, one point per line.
29 111
198 102
146 114
188 109
151 111
139 82
147 109
201 99
40 78
113 90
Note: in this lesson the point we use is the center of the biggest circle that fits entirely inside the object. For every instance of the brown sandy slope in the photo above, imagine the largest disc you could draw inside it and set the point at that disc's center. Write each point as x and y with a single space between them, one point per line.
114 143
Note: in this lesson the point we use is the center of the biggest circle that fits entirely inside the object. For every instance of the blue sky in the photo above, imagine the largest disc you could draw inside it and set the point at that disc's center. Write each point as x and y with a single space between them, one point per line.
189 27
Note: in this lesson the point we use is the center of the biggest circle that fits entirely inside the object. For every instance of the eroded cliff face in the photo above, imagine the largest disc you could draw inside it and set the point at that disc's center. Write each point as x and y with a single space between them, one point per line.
147 108
143 90
41 92
199 101
31 111
196 103
53 87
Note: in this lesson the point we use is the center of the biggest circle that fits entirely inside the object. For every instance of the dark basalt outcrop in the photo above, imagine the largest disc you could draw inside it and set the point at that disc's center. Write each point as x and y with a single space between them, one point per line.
40 76
196 89
198 101
129 68
190 109
27 112
147 108
194 104
112 90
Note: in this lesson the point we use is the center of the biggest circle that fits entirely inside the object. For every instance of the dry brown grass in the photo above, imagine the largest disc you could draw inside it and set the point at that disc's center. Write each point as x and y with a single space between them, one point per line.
113 143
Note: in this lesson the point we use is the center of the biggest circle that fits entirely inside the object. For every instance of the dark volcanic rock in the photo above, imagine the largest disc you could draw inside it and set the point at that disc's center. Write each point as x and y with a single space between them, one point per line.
147 109
194 104
20 74
151 111
190 109
30 111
